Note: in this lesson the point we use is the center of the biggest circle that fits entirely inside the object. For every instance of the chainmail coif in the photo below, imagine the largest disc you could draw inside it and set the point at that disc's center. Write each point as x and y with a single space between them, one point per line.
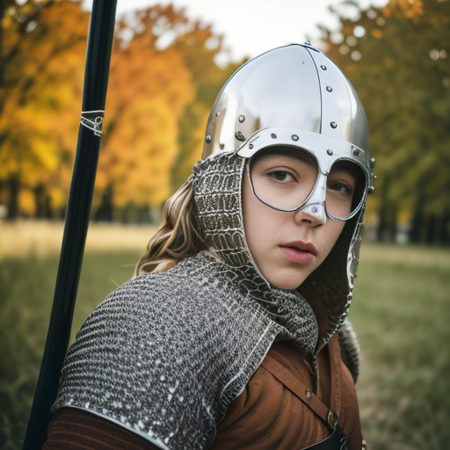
165 354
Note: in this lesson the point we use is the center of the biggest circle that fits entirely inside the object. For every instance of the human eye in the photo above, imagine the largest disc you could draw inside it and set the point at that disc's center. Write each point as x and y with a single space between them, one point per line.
341 187
280 175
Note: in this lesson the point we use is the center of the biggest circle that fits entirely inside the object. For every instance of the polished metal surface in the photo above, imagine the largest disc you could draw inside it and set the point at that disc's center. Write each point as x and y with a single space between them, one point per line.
326 150
296 86
298 94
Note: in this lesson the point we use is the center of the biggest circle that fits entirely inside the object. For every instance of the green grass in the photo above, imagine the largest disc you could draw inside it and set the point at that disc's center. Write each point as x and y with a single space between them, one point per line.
401 315
27 287
399 312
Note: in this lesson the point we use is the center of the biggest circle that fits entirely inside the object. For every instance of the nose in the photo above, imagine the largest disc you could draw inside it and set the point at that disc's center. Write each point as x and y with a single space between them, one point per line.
314 209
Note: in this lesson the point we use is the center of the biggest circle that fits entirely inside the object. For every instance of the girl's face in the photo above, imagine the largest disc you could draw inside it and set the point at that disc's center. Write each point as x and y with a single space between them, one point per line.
288 246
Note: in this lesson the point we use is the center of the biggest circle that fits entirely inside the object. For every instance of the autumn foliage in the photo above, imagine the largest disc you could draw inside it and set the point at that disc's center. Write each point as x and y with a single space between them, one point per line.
41 79
162 83
398 59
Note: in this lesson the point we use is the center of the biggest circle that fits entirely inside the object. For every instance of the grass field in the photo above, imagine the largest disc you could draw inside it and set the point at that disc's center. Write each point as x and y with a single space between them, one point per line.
399 311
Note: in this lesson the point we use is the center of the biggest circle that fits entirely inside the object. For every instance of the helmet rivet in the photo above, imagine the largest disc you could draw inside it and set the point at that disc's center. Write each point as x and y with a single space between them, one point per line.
333 125
294 137
330 152
329 89
356 152
222 146
273 136
208 139
239 136
250 146
323 67
218 113
241 118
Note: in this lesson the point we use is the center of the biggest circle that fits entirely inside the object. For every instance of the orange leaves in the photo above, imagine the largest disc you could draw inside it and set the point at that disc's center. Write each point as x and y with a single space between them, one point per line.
41 82
376 33
148 91
163 81
402 80
412 9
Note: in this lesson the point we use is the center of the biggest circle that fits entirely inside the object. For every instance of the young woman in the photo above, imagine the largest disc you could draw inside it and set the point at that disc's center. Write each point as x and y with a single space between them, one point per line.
233 333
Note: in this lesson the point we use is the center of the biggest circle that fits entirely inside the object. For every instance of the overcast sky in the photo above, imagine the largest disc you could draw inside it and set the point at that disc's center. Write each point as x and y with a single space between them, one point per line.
251 27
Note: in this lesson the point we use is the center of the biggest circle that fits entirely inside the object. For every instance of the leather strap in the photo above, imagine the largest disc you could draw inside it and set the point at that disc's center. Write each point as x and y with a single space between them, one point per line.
337 440
300 390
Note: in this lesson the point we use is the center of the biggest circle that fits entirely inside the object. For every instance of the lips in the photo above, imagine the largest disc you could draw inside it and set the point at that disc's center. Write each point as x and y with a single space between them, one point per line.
301 247
299 252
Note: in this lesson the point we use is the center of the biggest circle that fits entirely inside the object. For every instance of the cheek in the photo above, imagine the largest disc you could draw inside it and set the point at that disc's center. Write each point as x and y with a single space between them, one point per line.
334 230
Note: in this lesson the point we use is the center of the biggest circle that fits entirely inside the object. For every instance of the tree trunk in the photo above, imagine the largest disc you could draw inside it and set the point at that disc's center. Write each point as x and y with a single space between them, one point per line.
431 229
444 229
42 202
387 216
13 204
418 220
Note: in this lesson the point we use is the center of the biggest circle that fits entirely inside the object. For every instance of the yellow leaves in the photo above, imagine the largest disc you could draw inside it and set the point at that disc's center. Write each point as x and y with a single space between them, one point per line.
40 94
387 10
376 33
140 148
162 76
412 9
148 93
26 202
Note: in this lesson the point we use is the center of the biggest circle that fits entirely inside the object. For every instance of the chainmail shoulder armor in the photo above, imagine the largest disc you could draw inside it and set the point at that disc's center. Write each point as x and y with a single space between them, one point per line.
165 354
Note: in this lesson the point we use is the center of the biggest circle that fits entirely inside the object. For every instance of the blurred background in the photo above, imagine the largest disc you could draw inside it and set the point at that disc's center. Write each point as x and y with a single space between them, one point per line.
168 64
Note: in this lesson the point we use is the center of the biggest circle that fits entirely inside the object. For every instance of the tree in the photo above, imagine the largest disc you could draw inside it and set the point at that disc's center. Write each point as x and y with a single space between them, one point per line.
148 91
163 82
396 57
43 47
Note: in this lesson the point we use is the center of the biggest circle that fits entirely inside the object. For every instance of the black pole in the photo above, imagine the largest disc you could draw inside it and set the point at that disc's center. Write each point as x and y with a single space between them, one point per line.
77 219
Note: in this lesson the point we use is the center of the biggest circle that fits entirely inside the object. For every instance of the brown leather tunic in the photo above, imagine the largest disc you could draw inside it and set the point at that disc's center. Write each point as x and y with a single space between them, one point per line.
269 416
266 416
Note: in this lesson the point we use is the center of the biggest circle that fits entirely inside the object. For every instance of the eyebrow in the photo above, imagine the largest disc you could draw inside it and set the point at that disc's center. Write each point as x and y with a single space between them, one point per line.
290 152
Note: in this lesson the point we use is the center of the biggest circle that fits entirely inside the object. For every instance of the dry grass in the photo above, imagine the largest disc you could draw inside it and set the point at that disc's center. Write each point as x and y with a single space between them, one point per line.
42 238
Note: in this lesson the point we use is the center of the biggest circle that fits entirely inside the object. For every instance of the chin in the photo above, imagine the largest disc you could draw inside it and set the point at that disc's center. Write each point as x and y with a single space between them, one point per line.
286 282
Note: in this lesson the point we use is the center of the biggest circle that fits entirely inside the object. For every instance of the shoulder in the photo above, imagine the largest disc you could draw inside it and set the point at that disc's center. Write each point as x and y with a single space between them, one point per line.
174 297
